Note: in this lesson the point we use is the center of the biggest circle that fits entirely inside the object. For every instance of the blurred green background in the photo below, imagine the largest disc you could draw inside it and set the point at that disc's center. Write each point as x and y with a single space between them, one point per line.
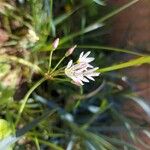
54 114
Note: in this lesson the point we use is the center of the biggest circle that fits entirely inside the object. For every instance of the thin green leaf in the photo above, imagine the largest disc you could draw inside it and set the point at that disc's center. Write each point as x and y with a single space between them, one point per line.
98 23
61 18
134 62
119 142
117 11
110 49
64 16
24 101
89 28
5 143
51 145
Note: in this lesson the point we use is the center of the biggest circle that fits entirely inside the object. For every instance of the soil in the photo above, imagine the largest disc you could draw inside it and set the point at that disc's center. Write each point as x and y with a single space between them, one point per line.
131 30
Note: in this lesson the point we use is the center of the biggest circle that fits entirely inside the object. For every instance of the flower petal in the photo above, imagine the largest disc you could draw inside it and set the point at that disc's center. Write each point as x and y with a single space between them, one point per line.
81 54
91 78
89 66
95 74
85 80
90 59
86 54
78 82
69 64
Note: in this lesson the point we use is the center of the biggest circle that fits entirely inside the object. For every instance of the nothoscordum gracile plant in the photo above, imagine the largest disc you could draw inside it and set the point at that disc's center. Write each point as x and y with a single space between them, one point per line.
79 72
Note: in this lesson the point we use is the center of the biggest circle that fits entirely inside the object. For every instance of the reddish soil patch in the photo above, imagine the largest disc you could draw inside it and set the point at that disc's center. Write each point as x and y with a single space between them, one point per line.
131 30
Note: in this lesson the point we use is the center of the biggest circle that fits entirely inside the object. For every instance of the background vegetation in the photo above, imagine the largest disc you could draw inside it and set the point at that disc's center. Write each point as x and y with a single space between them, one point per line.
40 112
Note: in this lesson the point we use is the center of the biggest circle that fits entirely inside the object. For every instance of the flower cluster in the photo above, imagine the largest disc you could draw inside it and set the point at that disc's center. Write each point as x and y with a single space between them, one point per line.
82 71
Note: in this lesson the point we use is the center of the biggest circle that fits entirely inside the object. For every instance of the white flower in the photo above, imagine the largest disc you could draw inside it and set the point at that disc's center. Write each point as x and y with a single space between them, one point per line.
83 58
91 73
82 71
75 72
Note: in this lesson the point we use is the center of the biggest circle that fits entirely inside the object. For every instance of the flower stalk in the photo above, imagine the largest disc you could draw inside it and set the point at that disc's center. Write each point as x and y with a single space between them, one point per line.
26 99
54 46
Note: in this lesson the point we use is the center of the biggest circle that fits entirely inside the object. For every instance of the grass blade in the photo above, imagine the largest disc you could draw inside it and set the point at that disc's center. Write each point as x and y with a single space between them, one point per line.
107 48
4 144
134 62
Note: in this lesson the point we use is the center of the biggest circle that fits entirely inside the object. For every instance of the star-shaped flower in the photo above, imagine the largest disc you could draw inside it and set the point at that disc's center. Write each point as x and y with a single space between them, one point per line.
82 71
83 58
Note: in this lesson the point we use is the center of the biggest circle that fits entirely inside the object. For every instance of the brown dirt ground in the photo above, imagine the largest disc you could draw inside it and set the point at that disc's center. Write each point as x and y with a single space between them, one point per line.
131 30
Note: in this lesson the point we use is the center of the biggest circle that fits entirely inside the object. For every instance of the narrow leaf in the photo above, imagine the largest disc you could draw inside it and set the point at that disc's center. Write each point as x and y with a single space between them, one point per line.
134 62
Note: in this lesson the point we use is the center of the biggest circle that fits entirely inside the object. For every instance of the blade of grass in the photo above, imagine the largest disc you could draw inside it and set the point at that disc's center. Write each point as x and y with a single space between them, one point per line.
116 11
89 28
35 122
61 18
98 23
100 141
65 16
134 62
26 98
119 142
51 145
110 49
5 143
126 123
53 29
37 143
94 139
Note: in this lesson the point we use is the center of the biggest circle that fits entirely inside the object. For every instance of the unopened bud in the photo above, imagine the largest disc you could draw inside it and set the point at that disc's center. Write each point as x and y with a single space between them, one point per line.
55 44
70 50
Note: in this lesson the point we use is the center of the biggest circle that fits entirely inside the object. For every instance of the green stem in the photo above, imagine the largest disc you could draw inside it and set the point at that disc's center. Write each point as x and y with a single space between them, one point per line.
37 143
130 63
51 145
62 80
113 13
50 61
58 64
26 98
79 100
98 22
98 47
91 27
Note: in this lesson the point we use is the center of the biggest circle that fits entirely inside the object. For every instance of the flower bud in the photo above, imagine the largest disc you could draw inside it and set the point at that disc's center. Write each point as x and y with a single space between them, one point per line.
55 43
70 50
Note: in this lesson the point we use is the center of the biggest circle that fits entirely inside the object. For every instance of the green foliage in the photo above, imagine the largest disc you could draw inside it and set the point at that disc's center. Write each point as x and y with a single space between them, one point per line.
54 113
6 94
4 69
5 129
